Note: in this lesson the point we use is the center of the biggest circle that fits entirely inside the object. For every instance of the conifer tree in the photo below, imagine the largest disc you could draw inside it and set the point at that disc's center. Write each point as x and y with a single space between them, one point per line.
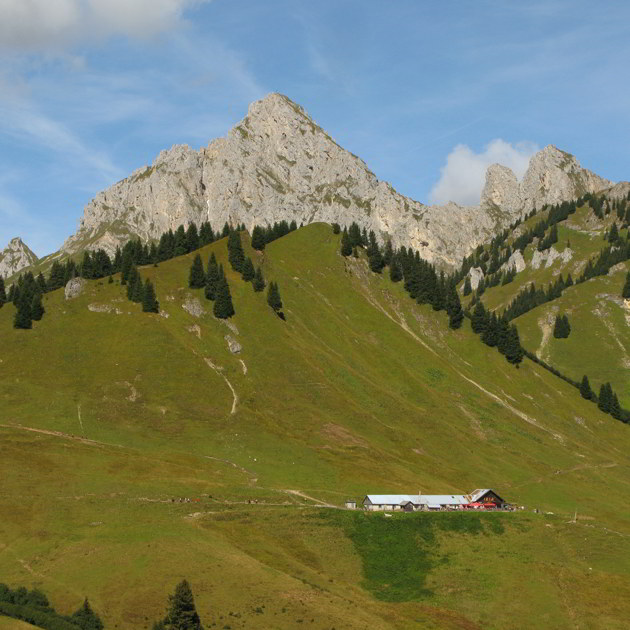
196 277
625 293
226 230
467 286
85 618
37 308
605 399
293 226
181 242
223 307
615 408
346 245
336 228
192 237
561 328
258 238
236 255
131 278
395 270
212 278
456 314
491 333
273 297
149 301
478 321
613 235
258 282
23 318
3 293
585 389
182 613
206 235
248 272
514 352
354 234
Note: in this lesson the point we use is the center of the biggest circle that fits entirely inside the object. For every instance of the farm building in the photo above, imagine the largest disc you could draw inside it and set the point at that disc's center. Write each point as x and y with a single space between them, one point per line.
478 499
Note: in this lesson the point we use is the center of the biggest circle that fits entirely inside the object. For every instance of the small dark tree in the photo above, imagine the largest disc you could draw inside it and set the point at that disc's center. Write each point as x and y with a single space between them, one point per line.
3 293
192 237
23 318
478 321
514 352
212 278
149 301
613 234
181 614
226 230
346 245
467 286
561 328
625 293
86 618
248 272
605 399
585 389
37 308
273 297
181 242
258 282
196 277
395 270
236 255
223 307
258 238
336 228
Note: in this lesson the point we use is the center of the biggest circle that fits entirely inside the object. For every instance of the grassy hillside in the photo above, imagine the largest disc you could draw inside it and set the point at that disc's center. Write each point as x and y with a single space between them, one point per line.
137 450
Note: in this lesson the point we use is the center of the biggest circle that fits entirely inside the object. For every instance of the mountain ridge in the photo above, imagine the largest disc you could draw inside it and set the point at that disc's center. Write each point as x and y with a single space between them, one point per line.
278 164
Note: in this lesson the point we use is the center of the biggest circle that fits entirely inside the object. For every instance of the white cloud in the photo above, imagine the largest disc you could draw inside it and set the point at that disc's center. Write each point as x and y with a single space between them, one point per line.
464 174
38 25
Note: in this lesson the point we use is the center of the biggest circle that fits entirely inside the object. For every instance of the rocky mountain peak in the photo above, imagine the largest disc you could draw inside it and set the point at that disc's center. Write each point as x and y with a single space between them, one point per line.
15 257
552 176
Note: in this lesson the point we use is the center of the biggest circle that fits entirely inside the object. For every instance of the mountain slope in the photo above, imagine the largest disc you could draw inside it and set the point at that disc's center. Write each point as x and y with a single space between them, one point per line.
359 390
277 164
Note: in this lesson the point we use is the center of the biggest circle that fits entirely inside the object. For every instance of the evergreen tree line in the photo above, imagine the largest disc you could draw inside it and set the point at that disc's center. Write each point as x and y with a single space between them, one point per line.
261 236
602 207
26 294
561 328
530 297
607 258
497 332
33 607
607 400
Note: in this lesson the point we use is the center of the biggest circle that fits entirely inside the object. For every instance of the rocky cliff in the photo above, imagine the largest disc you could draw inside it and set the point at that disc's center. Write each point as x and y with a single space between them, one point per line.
278 164
15 257
552 176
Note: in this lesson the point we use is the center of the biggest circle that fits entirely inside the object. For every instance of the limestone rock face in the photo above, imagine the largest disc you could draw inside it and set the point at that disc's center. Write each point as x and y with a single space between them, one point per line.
15 257
277 164
552 176
476 276
515 261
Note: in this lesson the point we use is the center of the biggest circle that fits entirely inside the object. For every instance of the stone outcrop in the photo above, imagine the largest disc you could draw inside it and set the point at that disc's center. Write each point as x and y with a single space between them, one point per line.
550 256
476 276
15 257
74 288
515 261
278 164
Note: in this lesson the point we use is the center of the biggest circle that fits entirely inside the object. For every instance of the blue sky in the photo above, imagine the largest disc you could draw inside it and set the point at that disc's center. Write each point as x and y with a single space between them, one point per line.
427 93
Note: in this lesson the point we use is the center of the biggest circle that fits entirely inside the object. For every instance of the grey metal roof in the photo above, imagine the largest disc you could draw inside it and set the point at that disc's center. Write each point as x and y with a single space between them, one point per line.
477 494
424 499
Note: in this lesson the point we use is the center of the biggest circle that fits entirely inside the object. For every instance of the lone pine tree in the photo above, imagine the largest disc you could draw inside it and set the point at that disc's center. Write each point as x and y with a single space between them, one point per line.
625 293
259 281
196 277
182 613
273 297
149 301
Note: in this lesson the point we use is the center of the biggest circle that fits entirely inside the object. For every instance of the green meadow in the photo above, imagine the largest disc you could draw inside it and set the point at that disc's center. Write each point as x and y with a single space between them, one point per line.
137 450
